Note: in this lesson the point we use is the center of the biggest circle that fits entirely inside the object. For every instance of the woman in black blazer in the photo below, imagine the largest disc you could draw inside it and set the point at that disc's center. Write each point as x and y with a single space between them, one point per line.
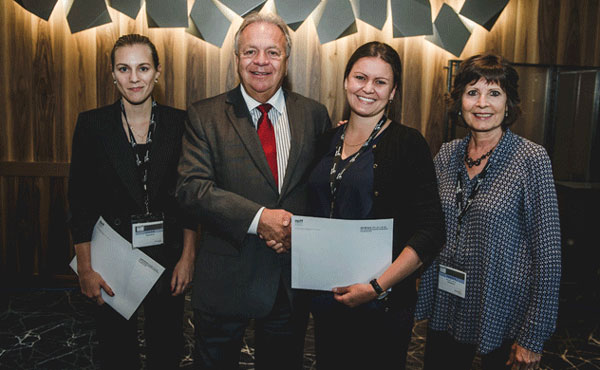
124 168
373 167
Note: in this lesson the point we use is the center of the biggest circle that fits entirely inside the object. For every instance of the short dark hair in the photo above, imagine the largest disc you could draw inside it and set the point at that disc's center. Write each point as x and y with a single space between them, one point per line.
134 39
390 56
493 68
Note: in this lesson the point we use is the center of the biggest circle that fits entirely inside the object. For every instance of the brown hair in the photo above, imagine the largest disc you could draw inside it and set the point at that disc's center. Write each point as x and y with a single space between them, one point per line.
493 68
391 57
134 39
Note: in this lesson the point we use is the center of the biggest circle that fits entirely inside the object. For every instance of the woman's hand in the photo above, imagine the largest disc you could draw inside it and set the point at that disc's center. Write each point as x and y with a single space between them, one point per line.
182 275
354 295
91 284
277 247
521 358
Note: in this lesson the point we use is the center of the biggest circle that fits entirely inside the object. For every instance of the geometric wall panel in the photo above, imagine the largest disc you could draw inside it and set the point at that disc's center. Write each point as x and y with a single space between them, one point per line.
208 23
337 21
483 13
86 14
41 8
373 12
130 8
172 13
450 33
294 12
411 18
244 7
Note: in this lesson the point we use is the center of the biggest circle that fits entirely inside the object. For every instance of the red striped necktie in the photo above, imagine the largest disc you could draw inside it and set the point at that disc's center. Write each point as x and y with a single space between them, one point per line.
266 134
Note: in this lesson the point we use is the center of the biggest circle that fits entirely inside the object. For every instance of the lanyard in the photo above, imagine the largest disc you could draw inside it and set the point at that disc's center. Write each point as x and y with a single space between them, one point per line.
334 176
146 160
462 209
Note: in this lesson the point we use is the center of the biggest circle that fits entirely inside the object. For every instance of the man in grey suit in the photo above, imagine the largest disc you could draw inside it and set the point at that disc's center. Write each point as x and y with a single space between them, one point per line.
245 158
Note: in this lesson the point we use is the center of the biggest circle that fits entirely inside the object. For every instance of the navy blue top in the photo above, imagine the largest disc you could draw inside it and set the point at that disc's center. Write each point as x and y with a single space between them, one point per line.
509 247
354 198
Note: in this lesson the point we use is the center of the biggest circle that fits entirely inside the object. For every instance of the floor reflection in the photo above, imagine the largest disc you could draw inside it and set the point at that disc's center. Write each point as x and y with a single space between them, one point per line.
50 329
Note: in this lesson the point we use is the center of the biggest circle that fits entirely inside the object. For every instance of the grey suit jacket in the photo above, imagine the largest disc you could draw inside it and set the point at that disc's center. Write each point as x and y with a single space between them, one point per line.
224 179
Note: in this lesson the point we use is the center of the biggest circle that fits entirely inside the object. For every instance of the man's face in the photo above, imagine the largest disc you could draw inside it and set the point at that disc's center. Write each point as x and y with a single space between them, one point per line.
262 60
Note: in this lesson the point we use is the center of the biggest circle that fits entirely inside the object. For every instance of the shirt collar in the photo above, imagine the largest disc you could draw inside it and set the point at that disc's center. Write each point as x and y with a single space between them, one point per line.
277 100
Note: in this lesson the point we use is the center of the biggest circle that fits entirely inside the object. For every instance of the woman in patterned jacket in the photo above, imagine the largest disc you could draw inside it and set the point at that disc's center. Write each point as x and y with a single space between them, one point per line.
493 289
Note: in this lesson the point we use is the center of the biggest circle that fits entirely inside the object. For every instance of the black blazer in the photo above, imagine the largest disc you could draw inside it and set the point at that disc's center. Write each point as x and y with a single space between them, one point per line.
405 189
104 180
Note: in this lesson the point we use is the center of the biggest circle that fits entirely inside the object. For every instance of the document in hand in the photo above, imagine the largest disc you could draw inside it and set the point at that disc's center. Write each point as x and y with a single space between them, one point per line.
128 271
329 253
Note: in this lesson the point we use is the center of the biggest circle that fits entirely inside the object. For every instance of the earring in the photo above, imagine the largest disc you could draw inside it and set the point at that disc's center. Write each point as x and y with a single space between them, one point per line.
505 114
115 82
460 113
156 80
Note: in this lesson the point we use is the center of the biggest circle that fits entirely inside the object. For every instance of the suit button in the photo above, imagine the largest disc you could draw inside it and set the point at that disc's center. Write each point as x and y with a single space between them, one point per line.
374 165
376 193
117 221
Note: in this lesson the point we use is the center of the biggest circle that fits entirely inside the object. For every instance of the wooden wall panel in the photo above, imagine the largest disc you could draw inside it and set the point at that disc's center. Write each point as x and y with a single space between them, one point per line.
50 75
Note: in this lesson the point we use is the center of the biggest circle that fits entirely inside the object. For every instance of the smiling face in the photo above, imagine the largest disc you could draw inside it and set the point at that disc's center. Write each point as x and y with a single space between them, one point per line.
135 73
483 106
369 86
261 59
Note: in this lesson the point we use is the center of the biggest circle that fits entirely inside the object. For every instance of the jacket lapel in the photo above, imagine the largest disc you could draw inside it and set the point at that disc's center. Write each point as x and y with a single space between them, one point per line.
121 155
240 118
295 116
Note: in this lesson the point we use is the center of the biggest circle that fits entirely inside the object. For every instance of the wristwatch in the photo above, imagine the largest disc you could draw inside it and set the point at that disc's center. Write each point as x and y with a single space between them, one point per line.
380 292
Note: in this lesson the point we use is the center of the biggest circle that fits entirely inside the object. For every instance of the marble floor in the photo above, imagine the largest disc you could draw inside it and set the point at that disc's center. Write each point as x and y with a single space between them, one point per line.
49 329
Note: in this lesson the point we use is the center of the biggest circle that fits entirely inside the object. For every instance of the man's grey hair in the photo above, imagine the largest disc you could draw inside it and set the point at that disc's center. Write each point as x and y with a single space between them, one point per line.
272 18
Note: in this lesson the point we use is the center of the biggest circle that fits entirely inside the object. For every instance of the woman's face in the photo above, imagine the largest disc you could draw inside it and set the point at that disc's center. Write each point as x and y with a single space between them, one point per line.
484 106
369 86
134 72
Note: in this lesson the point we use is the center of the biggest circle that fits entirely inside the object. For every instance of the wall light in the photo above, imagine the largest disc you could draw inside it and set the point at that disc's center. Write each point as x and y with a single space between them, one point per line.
485 13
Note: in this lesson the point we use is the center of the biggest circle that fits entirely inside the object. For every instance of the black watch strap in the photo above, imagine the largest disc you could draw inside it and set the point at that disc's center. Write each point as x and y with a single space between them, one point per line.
377 287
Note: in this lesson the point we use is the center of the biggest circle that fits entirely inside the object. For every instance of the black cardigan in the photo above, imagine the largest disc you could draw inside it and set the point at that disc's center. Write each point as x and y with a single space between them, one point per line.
104 180
405 189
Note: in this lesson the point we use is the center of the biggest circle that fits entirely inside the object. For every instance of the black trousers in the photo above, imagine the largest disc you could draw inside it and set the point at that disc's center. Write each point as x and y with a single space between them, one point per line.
279 338
442 351
163 332
374 335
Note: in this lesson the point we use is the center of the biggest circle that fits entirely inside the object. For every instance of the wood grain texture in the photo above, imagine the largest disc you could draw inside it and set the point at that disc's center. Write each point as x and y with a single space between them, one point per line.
50 75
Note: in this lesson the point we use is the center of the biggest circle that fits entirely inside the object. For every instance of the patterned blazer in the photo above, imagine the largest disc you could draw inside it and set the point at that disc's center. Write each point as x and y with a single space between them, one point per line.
509 246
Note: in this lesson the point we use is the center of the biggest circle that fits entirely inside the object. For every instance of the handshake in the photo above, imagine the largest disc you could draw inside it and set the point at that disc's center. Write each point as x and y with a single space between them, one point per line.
275 228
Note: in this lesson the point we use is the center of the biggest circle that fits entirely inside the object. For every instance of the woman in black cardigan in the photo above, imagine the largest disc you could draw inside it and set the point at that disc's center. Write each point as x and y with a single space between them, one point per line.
382 170
124 165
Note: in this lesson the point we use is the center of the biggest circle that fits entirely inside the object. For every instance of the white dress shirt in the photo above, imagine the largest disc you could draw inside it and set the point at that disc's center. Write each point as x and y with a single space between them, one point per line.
279 119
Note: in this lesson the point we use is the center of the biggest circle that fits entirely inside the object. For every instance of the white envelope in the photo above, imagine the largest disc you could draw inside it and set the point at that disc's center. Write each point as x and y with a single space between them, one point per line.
328 253
129 272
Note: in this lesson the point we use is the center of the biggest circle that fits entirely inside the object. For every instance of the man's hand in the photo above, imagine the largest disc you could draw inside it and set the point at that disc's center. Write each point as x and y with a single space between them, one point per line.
274 226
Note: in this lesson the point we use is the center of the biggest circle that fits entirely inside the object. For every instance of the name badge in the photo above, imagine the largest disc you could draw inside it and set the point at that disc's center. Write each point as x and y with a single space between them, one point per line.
147 230
452 281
